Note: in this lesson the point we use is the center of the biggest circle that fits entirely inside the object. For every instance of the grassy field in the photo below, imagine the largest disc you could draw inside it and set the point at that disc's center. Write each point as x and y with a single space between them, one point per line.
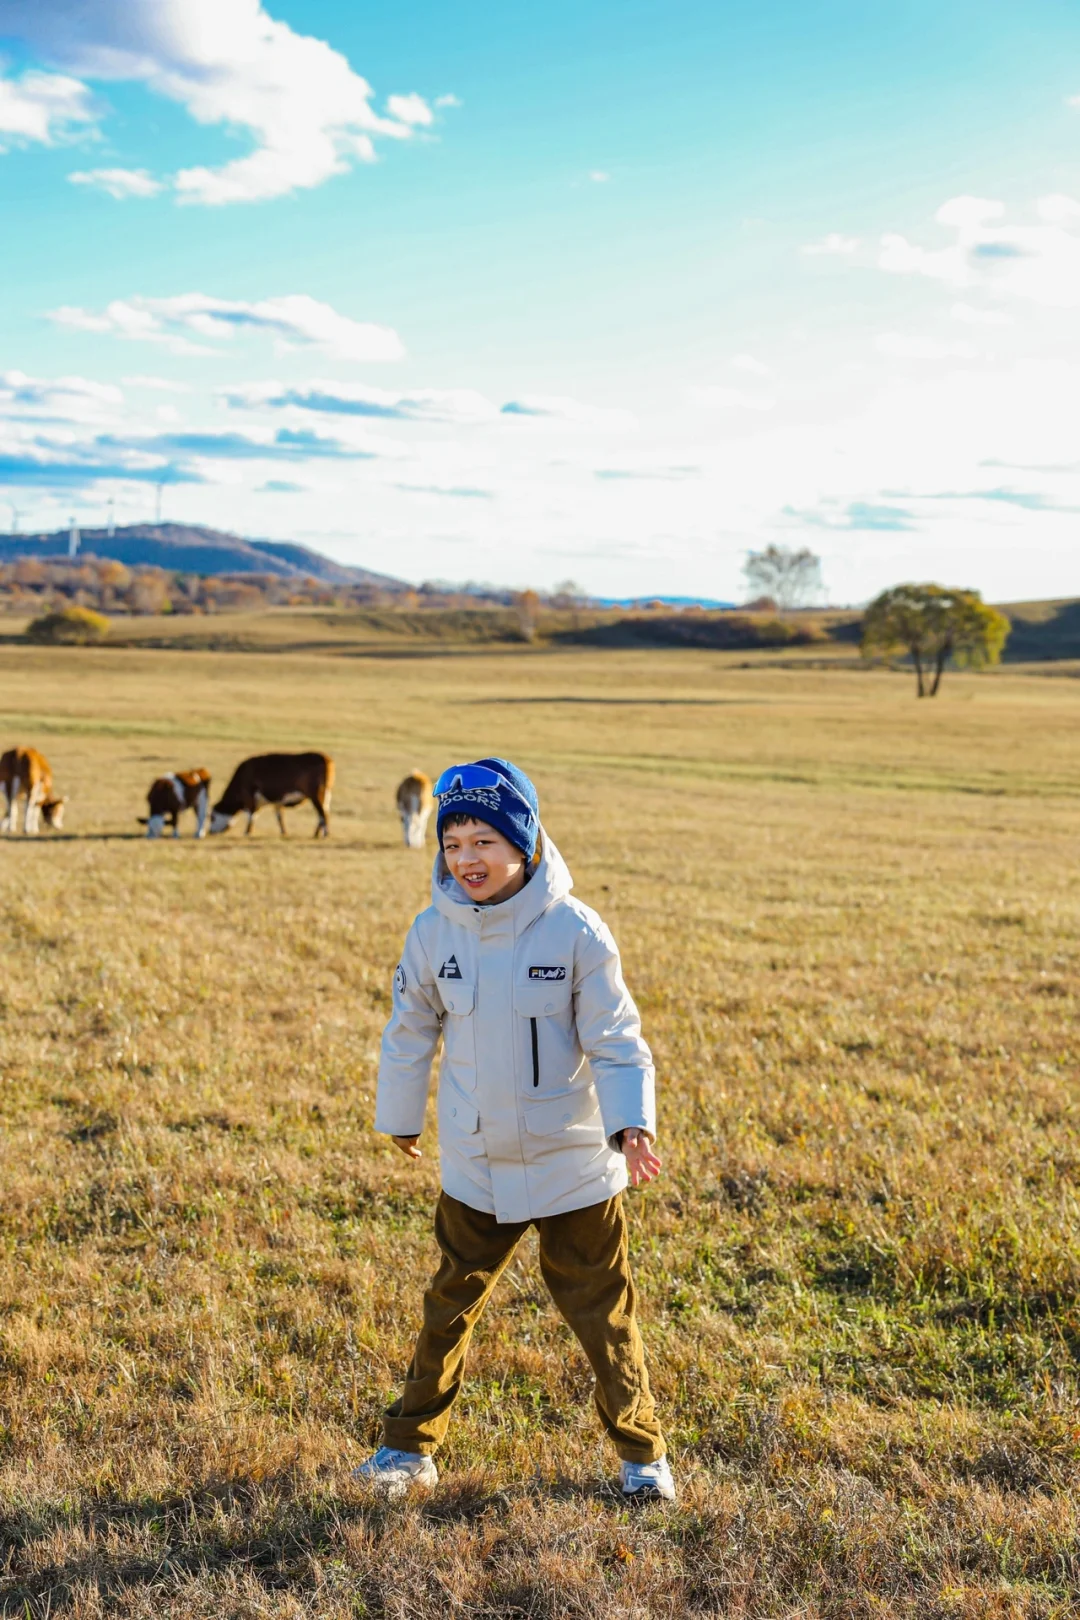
1044 634
852 922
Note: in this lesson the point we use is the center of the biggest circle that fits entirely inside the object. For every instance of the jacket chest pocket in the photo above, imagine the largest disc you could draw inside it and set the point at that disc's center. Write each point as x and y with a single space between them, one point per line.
457 996
545 1009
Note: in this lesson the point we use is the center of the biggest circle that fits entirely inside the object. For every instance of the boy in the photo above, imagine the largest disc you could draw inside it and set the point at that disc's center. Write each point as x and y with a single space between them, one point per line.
524 984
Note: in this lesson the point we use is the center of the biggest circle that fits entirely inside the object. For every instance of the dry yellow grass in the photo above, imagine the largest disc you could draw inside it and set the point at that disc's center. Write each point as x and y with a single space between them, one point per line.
851 921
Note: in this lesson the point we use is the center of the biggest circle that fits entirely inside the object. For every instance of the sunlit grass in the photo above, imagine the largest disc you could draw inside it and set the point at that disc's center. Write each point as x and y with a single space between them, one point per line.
851 921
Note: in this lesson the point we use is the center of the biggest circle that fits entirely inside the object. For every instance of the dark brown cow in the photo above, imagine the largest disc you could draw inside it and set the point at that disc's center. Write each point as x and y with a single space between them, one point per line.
24 773
280 780
170 795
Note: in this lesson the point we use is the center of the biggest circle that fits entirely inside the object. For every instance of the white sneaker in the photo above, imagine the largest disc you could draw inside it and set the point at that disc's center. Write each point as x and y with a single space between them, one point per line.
395 1471
647 1482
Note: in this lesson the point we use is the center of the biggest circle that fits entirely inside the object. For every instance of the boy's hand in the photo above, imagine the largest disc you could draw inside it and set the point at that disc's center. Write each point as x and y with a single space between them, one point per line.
408 1146
641 1161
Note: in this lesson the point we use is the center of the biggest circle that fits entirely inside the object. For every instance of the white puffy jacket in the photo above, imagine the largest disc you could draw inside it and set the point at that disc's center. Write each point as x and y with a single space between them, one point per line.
543 1060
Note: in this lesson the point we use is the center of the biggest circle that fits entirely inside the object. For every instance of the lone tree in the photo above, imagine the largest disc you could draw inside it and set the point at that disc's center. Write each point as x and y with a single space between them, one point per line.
75 626
790 578
526 605
934 624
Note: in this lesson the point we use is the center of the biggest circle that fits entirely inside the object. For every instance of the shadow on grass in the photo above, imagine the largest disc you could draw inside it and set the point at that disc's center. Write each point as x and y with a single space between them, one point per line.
625 702
236 845
203 1533
266 1530
45 839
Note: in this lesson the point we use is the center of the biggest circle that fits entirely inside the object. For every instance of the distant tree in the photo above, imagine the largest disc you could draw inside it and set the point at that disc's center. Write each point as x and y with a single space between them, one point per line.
78 626
149 592
568 594
526 606
791 578
31 571
114 574
934 624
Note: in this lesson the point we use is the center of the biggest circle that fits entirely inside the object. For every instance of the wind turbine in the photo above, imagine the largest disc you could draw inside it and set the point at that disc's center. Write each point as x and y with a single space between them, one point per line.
73 539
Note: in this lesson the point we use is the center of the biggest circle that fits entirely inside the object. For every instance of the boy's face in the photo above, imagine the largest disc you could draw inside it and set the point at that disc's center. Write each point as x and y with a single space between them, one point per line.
488 866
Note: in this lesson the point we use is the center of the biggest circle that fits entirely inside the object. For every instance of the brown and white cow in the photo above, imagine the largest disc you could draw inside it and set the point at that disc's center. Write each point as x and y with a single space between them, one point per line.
281 780
171 795
415 803
25 774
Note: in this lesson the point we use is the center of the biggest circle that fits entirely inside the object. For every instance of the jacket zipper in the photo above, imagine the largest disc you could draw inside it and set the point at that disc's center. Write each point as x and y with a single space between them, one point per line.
535 1052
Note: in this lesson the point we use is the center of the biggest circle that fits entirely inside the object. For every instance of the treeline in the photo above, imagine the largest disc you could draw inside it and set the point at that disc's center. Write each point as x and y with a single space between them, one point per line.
41 588
36 585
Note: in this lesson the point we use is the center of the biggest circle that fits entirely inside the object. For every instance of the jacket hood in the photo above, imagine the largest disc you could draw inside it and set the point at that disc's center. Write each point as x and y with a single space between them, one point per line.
550 881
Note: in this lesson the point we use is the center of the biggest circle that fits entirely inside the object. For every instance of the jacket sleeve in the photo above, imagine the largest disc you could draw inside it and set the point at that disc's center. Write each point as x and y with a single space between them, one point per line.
609 1030
408 1043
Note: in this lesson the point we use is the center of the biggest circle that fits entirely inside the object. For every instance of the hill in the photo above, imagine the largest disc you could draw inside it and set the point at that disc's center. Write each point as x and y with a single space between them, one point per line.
1042 630
191 548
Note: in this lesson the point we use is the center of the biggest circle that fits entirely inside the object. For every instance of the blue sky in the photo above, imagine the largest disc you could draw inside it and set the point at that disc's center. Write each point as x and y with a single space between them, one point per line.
609 291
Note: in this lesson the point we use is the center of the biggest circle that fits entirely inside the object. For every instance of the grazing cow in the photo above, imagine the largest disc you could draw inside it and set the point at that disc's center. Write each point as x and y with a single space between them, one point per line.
280 780
24 773
415 804
170 795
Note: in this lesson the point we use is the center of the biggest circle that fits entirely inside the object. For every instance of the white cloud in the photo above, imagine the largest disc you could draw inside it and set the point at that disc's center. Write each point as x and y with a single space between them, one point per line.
1058 210
1036 263
410 109
729 399
230 64
449 101
979 317
747 362
651 470
557 408
969 213
293 321
163 385
902 258
65 398
44 107
599 177
904 346
126 318
119 183
461 405
834 242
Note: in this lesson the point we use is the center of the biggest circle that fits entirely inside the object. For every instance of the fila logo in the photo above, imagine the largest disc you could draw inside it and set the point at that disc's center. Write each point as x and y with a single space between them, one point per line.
547 973
450 969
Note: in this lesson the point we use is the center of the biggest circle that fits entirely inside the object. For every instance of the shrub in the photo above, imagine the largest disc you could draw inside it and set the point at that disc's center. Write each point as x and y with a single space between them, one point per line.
74 626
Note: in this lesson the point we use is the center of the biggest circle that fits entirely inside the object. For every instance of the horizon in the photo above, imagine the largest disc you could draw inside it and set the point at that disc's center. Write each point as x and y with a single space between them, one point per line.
642 290
465 586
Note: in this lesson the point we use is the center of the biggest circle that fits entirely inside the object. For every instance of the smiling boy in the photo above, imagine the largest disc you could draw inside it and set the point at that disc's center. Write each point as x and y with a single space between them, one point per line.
546 1111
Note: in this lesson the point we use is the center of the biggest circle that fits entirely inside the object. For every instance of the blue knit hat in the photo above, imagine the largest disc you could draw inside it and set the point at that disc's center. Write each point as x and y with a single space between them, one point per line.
513 809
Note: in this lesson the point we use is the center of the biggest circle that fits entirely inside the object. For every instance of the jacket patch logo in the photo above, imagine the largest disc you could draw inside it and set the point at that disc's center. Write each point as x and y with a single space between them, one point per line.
450 969
400 980
547 973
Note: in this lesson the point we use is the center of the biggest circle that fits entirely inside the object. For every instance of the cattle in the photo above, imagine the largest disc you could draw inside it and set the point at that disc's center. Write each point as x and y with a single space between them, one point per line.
24 773
281 780
170 795
414 805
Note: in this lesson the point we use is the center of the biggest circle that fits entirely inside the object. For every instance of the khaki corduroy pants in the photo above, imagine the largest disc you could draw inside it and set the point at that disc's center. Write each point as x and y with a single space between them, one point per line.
583 1258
